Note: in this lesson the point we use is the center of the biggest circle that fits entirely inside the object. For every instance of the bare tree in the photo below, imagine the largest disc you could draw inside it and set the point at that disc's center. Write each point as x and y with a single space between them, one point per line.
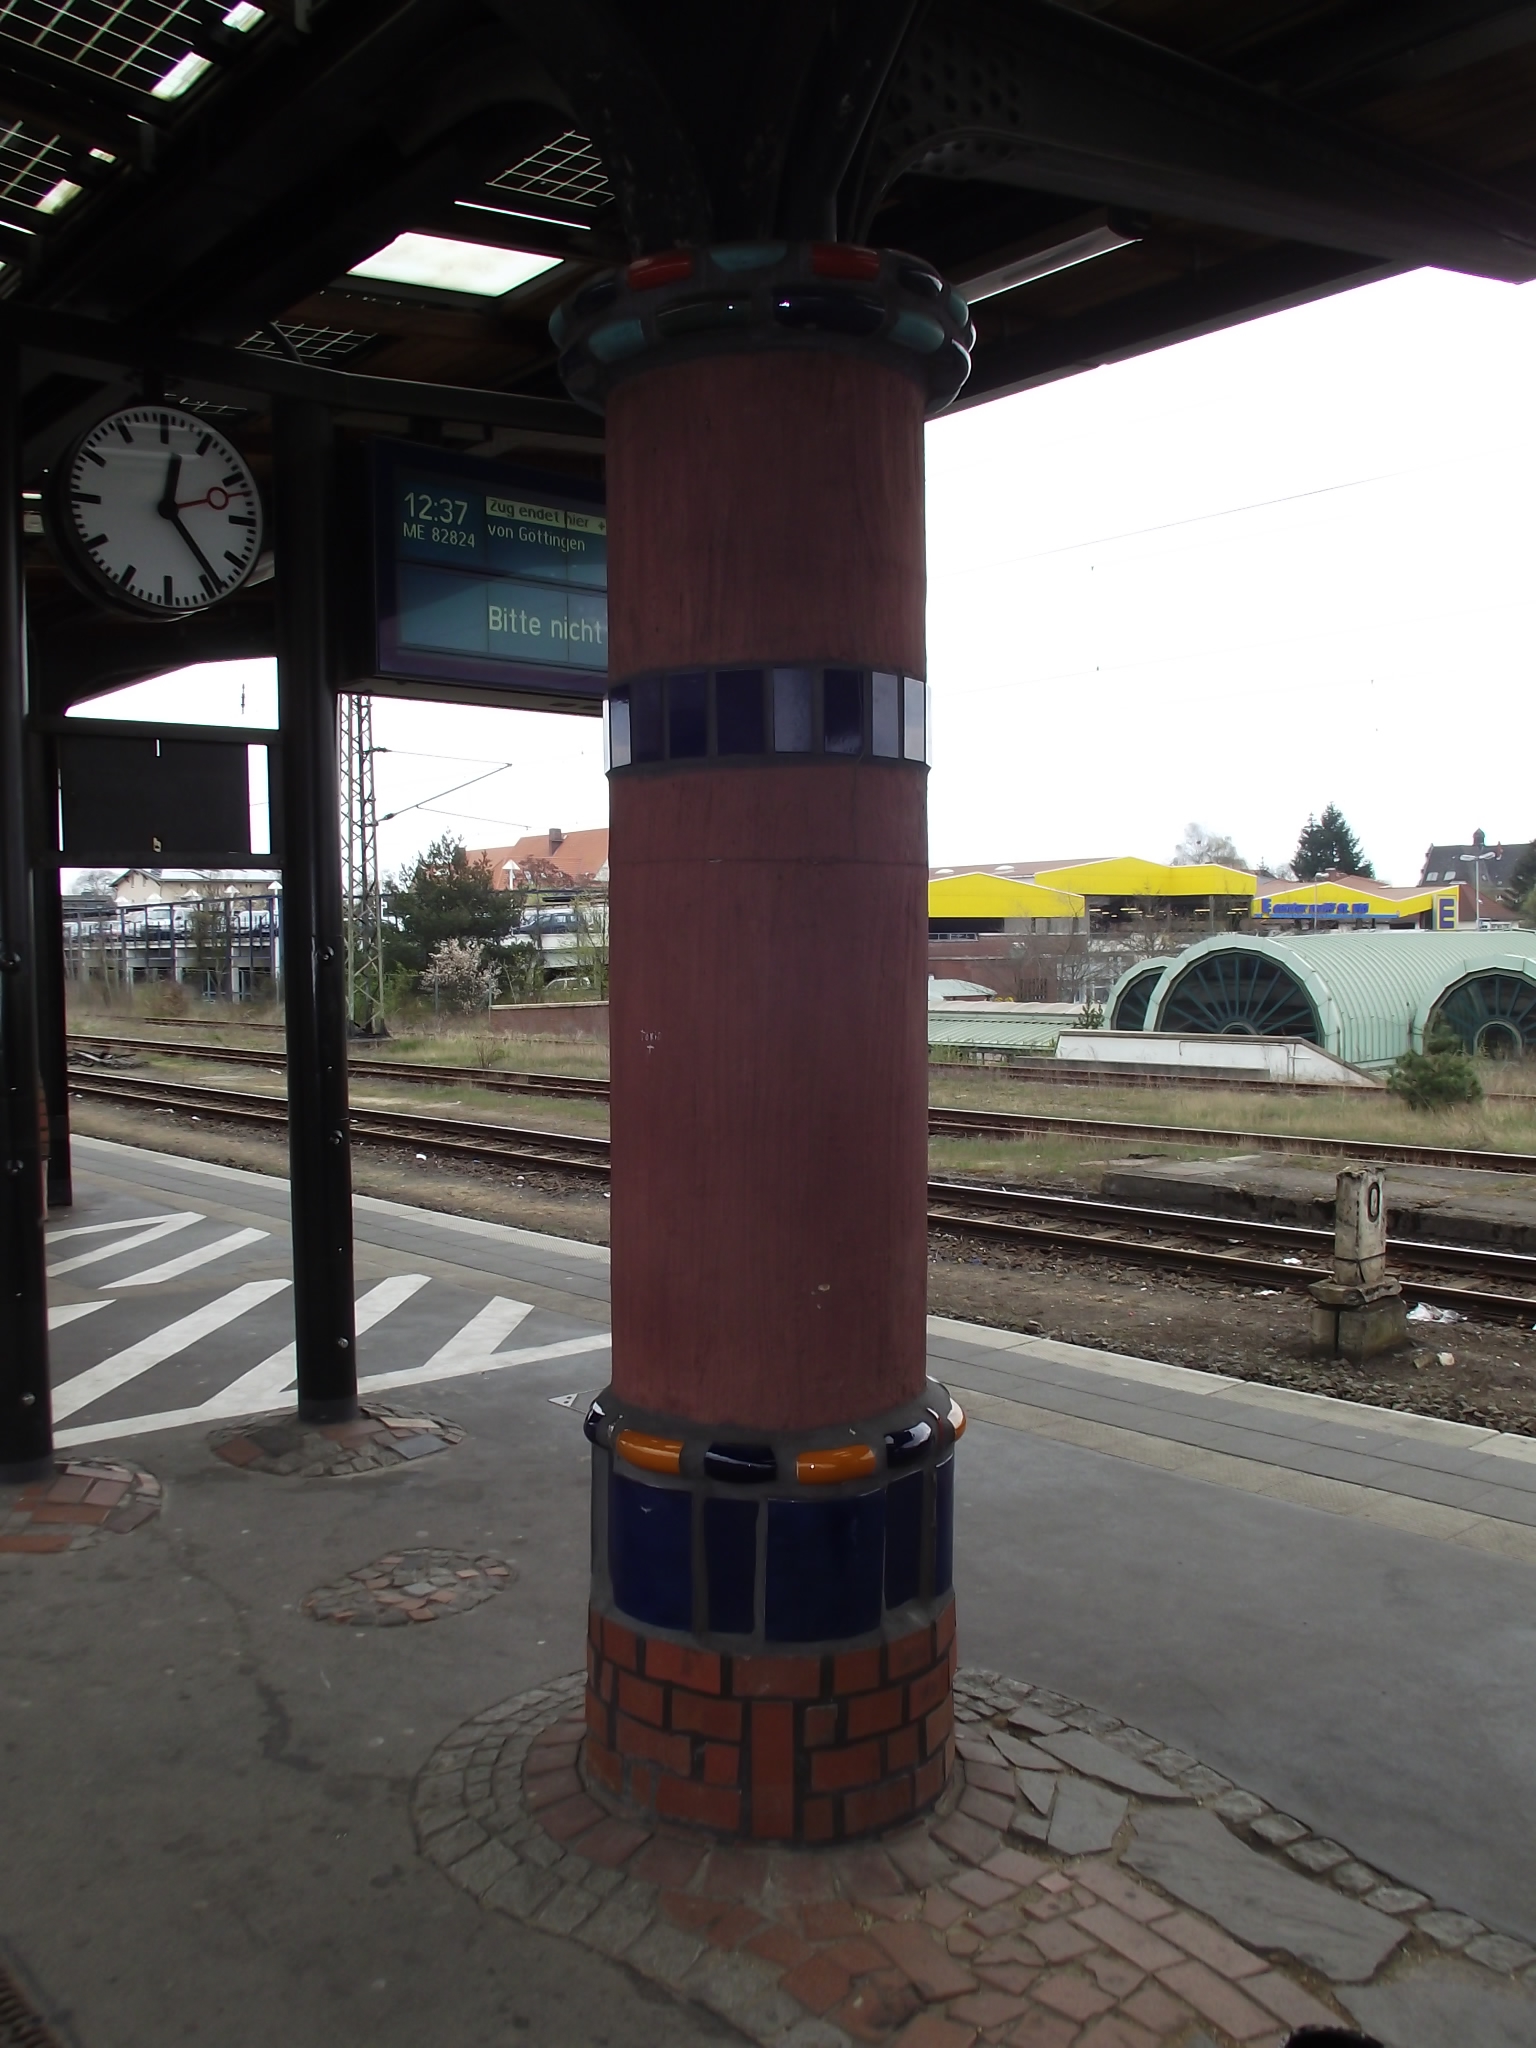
1198 848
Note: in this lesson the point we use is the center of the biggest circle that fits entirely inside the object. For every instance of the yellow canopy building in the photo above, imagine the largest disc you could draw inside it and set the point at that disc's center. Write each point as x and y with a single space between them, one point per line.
989 897
1349 899
1126 879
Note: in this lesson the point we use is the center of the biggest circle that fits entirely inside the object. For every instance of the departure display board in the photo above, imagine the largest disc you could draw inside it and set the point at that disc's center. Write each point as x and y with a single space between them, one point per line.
491 579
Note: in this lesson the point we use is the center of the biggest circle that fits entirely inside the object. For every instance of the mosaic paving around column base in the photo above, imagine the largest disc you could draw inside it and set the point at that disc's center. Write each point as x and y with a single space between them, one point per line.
1079 1885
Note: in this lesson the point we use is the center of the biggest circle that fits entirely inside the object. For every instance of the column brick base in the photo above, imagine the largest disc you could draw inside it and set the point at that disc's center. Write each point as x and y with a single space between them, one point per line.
820 1747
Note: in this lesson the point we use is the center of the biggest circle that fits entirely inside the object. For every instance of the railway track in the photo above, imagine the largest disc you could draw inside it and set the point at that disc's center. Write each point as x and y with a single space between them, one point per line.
942 1122
502 1080
502 1144
1071 1224
1047 1072
1008 1123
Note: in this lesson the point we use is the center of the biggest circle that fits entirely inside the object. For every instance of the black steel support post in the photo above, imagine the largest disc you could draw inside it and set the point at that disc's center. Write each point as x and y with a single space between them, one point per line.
314 943
48 939
26 1422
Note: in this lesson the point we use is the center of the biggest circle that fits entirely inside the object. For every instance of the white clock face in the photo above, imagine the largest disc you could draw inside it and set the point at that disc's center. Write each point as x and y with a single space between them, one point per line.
159 511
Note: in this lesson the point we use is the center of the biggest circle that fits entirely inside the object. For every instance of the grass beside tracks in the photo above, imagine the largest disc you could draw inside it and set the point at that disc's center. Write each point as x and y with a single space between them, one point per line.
1506 1123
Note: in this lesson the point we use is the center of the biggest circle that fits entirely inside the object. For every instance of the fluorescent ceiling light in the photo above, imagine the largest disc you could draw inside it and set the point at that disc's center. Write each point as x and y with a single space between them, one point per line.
1044 262
185 72
453 266
58 196
243 16
550 220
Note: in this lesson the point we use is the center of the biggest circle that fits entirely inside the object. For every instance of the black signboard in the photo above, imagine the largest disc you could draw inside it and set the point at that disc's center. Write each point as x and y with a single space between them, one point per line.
163 796
491 583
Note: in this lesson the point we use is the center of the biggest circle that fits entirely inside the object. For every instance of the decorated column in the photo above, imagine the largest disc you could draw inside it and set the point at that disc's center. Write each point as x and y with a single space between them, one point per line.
772 1616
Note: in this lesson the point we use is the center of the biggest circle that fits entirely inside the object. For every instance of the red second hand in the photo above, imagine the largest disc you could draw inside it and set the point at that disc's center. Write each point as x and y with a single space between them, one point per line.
216 491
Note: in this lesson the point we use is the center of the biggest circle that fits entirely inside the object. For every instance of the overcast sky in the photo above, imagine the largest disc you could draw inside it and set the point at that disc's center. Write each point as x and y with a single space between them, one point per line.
1231 581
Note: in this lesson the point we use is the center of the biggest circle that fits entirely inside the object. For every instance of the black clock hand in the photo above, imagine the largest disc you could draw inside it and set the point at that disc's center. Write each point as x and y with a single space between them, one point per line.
169 509
192 544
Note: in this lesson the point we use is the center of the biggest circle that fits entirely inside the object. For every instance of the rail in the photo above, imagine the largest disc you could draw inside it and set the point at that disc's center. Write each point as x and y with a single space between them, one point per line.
942 1122
952 1204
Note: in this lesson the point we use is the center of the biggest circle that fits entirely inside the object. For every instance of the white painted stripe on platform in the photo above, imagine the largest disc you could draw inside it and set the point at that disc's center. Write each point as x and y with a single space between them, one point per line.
101 1229
375 1383
72 1311
265 1384
164 1228
123 1366
472 1347
455 1369
204 1255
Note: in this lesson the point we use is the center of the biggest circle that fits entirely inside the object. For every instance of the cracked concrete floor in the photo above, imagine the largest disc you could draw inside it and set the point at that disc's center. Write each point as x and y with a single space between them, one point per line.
212 1789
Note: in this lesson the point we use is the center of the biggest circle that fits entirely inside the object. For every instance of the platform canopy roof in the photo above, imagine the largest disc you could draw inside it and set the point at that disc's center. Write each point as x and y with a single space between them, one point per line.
1133 879
990 896
207 189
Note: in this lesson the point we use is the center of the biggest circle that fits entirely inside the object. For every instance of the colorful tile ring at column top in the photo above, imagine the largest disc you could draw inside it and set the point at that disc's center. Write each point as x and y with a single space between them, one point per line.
751 297
810 1576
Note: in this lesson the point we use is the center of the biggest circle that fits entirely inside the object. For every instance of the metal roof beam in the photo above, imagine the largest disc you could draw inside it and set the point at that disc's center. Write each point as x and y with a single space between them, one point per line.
296 104
30 69
67 342
1039 96
74 115
87 653
1391 46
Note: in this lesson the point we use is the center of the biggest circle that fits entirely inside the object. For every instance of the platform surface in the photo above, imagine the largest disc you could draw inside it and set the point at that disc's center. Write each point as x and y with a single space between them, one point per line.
1329 1604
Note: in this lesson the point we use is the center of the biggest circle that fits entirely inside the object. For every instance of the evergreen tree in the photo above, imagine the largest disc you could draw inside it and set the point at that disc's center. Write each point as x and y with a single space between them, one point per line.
447 896
1519 892
1327 846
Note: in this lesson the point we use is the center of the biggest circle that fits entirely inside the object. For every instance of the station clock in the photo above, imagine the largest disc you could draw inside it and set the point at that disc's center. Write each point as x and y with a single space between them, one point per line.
154 511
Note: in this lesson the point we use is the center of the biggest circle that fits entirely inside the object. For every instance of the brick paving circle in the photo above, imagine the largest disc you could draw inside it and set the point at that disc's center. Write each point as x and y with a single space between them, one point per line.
409 1586
1039 1905
381 1440
86 1499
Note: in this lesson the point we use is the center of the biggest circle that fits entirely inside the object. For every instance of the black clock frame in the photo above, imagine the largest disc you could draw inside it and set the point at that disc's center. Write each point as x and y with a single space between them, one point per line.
79 566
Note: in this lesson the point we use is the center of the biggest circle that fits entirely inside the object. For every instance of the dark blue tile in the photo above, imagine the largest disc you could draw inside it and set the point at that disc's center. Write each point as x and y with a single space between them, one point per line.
650 1552
825 1566
739 722
843 711
730 1559
904 1531
688 716
645 719
944 1532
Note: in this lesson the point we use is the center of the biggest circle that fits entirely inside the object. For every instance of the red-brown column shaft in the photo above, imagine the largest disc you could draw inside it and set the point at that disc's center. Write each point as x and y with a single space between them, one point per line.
768 956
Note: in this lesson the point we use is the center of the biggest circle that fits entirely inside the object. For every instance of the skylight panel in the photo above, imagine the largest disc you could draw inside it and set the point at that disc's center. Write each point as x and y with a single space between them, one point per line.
146 44
32 163
183 75
313 344
452 266
58 196
567 169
